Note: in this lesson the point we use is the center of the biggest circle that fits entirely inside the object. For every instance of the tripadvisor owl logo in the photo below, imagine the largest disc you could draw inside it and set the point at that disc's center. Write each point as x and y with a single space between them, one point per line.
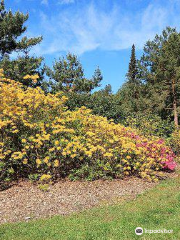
139 231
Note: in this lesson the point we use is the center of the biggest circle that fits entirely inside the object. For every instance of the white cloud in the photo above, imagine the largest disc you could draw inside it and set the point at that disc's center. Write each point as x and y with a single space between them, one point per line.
66 1
45 2
89 28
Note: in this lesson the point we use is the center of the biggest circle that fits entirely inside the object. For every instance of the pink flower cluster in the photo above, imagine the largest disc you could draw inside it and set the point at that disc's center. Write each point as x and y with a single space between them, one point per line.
168 154
157 150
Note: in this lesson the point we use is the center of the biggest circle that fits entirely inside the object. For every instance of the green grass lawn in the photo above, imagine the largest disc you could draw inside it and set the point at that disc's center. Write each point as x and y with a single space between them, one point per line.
158 208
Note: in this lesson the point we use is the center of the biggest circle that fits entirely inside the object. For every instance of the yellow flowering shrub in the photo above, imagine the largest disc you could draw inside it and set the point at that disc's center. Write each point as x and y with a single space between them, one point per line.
39 136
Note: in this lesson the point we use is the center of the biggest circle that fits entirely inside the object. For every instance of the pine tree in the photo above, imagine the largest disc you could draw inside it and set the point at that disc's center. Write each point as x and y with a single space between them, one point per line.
68 75
131 89
97 78
161 73
11 29
132 71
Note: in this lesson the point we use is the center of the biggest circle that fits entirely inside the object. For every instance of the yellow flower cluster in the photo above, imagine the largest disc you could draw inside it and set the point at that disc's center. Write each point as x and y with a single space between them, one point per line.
45 177
38 134
34 77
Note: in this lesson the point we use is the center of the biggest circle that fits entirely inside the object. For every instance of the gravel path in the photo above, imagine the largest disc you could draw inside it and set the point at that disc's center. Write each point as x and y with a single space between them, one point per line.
26 201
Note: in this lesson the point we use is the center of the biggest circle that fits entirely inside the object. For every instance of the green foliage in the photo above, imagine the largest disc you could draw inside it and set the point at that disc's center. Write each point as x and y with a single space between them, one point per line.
127 103
150 125
11 27
103 103
76 100
17 69
11 41
160 70
133 71
34 177
93 172
68 75
153 85
130 94
174 142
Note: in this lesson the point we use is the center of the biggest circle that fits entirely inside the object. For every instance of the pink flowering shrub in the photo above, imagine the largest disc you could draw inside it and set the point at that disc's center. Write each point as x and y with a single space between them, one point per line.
157 150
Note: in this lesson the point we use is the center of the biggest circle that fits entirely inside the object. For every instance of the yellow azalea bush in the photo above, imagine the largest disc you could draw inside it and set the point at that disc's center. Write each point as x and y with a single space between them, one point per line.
39 136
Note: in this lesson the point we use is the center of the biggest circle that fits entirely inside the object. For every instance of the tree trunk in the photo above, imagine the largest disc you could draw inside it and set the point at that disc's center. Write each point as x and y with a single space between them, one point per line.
174 104
175 114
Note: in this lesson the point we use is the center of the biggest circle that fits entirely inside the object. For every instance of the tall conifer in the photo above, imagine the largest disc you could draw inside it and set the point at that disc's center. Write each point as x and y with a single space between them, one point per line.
132 71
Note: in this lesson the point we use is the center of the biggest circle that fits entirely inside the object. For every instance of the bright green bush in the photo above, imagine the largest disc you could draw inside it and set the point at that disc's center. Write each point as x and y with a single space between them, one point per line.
150 125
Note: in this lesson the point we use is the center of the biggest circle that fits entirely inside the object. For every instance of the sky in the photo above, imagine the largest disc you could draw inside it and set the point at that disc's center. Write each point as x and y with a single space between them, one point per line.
99 32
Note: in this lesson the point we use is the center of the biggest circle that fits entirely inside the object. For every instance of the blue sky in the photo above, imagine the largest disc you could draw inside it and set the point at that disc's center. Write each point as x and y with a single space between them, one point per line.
100 32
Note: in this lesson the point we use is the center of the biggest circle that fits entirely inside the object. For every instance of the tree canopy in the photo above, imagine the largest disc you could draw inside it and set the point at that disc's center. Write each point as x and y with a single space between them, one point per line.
68 75
12 40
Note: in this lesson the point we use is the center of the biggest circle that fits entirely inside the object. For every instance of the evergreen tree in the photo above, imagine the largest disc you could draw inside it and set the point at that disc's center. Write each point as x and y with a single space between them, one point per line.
96 79
129 94
11 29
108 89
68 75
132 72
22 69
161 73
103 103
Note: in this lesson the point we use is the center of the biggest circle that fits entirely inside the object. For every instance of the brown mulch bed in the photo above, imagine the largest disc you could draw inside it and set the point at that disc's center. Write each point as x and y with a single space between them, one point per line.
25 201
